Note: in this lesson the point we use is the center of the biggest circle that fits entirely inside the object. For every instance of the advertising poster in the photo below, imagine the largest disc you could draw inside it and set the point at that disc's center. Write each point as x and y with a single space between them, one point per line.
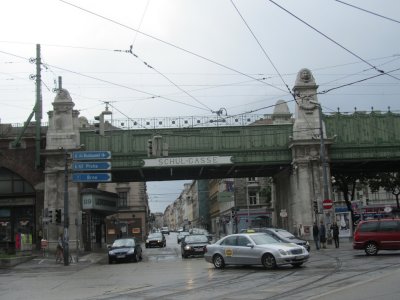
343 221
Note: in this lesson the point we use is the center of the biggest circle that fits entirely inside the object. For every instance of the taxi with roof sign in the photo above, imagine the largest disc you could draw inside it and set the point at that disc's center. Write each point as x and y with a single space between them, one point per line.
255 249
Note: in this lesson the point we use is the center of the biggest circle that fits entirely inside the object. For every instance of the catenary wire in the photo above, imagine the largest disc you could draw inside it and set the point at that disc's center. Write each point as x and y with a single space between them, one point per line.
368 11
332 40
169 44
262 48
167 78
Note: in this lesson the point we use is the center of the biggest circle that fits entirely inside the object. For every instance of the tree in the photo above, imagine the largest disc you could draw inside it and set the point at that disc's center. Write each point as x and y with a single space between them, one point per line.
347 184
389 181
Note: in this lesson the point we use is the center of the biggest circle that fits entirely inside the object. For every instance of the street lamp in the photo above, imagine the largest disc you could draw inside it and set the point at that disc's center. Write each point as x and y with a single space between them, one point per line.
322 152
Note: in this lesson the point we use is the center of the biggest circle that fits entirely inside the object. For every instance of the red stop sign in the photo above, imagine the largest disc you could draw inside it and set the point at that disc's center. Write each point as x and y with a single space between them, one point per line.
327 204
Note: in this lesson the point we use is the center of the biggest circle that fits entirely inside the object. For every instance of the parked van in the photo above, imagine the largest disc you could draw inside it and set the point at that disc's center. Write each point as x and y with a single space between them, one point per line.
374 235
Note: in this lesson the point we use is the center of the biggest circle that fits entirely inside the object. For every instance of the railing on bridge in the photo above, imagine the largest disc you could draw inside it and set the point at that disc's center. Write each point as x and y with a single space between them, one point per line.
189 121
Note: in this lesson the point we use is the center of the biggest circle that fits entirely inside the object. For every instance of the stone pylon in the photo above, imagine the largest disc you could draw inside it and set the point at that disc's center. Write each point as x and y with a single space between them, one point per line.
305 177
62 138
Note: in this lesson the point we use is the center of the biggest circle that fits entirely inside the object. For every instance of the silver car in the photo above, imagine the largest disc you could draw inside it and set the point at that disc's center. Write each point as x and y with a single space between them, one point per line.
254 249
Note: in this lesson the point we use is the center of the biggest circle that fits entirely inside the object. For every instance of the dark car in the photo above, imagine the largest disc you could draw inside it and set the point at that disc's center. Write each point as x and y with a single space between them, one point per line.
201 231
156 239
194 244
127 249
374 235
280 234
165 230
181 235
286 237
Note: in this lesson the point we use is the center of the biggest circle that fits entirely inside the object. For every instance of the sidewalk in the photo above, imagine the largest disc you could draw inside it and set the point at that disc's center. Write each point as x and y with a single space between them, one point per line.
49 259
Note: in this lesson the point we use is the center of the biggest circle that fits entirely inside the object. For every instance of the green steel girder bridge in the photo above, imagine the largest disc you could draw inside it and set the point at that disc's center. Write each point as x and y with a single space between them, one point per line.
358 142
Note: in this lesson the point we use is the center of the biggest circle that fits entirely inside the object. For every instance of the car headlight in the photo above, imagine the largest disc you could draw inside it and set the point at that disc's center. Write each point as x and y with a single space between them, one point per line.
158 241
147 241
111 253
131 251
187 247
283 252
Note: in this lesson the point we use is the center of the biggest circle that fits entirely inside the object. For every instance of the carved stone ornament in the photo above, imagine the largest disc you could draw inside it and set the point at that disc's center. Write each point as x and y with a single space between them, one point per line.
304 102
305 78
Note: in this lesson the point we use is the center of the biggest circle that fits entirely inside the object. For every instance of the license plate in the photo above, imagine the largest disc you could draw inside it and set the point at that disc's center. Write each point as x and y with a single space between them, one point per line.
198 250
120 256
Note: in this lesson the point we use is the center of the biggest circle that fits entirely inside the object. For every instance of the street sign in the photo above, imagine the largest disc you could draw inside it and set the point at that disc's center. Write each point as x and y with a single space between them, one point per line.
91 165
90 155
283 213
327 204
91 177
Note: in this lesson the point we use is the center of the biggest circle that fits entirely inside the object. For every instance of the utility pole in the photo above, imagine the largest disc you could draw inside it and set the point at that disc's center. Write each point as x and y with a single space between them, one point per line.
38 106
66 219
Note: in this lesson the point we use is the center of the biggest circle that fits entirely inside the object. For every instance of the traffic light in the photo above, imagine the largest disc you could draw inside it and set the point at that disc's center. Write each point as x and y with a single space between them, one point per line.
233 213
315 205
58 216
51 215
99 126
149 147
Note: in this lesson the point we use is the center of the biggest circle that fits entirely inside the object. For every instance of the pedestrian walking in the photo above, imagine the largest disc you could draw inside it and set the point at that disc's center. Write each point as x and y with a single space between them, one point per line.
322 234
316 235
335 233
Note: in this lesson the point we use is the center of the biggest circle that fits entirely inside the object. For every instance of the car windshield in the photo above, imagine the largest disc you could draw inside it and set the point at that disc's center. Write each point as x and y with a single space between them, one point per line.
285 234
199 231
183 233
155 235
196 239
123 243
262 239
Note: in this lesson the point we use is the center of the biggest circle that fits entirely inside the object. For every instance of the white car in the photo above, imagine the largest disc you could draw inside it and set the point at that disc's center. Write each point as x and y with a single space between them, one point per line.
254 249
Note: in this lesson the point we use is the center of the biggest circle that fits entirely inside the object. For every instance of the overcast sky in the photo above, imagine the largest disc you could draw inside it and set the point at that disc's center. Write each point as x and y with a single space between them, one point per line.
240 55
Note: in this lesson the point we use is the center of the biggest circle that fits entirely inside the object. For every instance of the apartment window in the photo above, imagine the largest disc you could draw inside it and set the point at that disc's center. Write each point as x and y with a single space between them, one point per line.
122 199
252 179
253 198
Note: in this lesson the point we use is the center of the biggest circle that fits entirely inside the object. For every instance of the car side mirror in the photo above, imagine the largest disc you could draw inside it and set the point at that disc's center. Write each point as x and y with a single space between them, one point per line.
250 245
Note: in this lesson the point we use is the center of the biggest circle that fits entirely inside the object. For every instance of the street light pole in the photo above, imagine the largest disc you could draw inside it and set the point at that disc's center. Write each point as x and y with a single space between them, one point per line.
322 154
66 223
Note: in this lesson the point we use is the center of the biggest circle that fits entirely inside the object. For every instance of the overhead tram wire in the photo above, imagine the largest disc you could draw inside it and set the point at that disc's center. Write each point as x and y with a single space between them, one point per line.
357 81
161 74
368 11
172 45
153 96
262 49
332 40
129 118
141 21
350 75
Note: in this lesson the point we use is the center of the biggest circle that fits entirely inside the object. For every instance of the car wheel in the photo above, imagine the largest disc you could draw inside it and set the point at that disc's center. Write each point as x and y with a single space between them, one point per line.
109 261
184 255
268 261
297 265
218 261
371 248
135 258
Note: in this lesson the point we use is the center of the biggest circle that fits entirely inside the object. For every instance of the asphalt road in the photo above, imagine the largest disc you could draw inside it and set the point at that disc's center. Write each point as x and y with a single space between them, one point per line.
162 274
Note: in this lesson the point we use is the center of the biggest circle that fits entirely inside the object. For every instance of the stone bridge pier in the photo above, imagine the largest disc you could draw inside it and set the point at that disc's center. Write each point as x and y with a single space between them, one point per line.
300 186
62 138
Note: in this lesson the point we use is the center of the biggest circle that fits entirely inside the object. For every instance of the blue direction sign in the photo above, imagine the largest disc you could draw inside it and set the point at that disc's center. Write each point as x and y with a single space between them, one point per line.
91 177
90 155
91 166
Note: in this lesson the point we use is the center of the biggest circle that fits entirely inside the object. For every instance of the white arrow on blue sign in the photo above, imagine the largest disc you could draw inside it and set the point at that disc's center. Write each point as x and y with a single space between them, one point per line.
91 177
89 166
89 155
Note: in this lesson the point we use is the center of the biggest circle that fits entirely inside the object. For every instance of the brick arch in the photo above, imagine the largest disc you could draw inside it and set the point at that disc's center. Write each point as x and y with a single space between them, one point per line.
22 163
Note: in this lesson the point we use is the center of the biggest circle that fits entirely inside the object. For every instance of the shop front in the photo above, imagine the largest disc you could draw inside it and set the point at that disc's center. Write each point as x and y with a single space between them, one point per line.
96 205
